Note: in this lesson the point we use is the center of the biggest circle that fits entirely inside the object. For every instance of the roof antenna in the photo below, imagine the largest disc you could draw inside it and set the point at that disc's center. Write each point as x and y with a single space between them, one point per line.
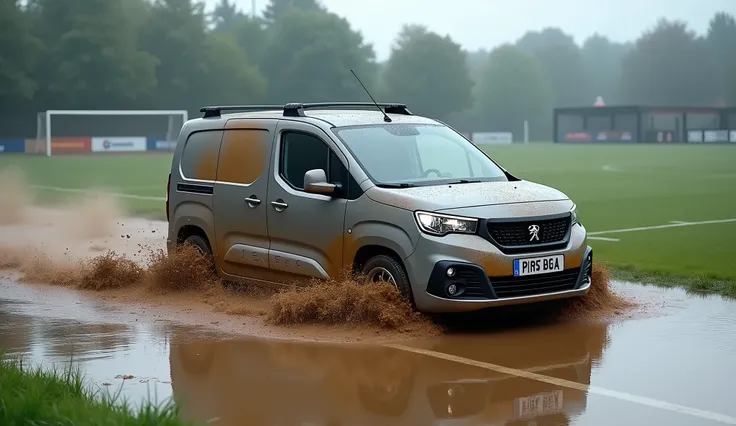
386 118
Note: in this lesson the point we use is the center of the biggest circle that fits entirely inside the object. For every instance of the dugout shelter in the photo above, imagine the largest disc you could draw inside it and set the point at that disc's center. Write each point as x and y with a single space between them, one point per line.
644 124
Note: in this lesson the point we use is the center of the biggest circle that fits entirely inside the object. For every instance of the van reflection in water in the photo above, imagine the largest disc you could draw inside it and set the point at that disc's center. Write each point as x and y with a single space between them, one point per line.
267 382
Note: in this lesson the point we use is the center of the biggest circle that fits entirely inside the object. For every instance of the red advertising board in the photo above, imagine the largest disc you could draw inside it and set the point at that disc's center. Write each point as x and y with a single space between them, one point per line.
70 145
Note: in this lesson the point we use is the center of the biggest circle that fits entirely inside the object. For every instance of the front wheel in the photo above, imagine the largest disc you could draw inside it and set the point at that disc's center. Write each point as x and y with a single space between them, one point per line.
383 268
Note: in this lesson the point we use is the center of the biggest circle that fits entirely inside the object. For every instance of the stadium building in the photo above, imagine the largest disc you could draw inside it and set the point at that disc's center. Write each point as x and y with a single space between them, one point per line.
628 124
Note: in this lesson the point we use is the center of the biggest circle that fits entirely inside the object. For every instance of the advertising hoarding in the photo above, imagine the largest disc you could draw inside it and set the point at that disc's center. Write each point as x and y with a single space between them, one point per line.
8 146
69 145
715 136
119 144
492 138
157 144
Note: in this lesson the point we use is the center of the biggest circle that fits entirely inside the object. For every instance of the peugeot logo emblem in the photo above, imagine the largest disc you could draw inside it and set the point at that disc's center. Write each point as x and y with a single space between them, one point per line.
534 232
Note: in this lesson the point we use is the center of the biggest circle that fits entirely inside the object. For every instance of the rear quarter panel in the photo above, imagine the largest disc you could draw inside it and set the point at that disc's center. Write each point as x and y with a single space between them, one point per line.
187 208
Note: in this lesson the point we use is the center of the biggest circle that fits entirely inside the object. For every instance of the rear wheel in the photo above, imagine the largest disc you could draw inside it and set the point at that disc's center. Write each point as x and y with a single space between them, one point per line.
202 246
383 268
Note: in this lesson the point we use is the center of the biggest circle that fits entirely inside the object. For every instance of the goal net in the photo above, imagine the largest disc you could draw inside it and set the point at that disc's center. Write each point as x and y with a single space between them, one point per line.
106 131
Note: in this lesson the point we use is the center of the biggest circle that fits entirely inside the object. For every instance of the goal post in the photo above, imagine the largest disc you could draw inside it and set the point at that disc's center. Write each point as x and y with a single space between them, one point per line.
101 126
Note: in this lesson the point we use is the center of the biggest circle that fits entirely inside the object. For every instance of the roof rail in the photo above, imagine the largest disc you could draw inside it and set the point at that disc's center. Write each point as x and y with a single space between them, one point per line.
297 109
216 111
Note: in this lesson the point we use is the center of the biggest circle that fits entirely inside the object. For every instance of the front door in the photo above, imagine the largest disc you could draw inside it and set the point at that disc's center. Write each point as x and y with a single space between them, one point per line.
306 230
240 197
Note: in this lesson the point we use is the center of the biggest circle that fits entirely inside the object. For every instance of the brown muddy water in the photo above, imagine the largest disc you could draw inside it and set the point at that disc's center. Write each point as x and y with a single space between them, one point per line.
671 362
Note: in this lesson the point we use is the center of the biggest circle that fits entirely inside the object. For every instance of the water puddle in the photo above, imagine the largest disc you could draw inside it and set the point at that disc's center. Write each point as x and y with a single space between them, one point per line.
679 351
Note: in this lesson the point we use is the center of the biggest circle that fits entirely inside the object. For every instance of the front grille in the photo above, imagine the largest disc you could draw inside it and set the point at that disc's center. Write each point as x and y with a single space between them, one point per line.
510 234
535 284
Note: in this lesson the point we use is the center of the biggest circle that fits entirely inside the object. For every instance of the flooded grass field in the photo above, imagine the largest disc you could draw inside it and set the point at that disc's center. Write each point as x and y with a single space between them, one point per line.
82 282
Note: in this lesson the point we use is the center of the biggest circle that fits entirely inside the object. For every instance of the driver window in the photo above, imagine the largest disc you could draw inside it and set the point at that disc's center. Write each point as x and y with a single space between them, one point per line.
301 152
438 153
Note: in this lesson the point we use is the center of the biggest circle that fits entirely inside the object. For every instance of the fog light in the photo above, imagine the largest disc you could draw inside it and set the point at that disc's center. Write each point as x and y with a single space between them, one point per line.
452 289
450 272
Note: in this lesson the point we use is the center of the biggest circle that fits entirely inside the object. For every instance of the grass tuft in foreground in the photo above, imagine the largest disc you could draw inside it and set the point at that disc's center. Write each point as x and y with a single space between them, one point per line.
34 396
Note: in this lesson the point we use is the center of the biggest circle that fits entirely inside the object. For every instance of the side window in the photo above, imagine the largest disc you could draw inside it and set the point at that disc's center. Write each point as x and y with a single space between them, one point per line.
436 153
244 155
199 158
301 152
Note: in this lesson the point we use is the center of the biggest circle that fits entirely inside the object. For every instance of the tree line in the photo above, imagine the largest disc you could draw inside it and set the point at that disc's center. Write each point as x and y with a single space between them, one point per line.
173 54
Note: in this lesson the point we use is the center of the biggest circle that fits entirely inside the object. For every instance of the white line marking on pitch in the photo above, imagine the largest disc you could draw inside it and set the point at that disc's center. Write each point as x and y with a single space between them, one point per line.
608 168
603 239
678 221
642 400
116 194
670 225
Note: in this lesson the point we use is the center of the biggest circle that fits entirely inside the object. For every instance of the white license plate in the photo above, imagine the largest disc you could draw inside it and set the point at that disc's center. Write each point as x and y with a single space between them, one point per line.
539 265
540 404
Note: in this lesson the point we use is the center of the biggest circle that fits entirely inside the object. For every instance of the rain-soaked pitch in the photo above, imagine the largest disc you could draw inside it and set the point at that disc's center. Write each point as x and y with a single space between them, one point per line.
672 365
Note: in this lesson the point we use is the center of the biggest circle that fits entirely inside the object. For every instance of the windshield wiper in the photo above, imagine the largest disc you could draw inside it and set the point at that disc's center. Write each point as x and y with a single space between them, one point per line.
462 181
395 185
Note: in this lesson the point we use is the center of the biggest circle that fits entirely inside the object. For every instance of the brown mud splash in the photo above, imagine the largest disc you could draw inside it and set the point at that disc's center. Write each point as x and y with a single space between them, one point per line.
110 271
343 301
601 300
182 269
339 302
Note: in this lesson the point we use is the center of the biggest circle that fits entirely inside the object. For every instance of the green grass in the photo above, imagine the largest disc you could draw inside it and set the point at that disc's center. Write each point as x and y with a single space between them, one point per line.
653 185
614 186
34 396
138 174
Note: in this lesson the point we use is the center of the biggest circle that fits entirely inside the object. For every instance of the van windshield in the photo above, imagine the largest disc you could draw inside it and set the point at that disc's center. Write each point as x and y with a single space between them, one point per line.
417 155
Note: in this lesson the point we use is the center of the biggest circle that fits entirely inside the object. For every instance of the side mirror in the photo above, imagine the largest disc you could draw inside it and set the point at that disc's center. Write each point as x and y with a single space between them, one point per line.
315 182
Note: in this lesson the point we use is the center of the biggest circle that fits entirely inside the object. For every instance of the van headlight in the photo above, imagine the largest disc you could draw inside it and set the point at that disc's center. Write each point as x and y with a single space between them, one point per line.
574 215
440 224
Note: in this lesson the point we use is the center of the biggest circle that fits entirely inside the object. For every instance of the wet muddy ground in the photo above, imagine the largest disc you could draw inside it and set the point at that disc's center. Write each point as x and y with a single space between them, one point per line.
669 363
667 360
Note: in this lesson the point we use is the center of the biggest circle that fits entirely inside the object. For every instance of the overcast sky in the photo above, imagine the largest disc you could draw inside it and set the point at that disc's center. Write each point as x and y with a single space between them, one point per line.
487 23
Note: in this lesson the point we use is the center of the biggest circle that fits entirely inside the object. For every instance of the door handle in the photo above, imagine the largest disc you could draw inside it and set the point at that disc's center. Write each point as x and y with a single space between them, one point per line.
252 201
279 205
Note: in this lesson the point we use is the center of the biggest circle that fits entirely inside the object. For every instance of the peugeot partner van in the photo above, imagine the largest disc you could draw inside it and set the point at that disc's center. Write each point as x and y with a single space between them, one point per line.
276 193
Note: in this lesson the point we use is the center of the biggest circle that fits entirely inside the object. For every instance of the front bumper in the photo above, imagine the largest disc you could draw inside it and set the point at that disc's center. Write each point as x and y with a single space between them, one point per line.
484 275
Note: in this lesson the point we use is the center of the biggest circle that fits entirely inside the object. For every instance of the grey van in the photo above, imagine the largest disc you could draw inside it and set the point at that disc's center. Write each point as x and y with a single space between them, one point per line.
281 193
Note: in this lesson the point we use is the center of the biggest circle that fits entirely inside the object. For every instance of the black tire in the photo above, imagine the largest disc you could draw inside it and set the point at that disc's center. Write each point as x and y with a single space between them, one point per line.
396 269
203 247
200 243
